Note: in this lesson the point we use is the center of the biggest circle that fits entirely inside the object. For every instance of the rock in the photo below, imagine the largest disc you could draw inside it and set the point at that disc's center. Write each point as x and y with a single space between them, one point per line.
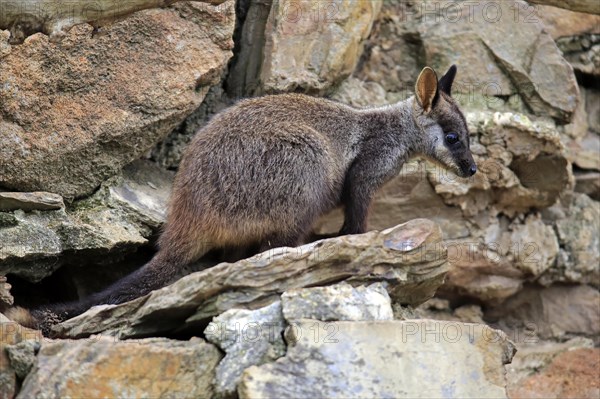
525 166
585 153
552 312
533 355
30 201
103 367
592 108
588 183
6 299
116 220
248 338
360 94
409 258
311 45
22 356
12 333
582 52
585 6
560 22
410 34
579 237
337 302
83 108
408 359
572 374
55 19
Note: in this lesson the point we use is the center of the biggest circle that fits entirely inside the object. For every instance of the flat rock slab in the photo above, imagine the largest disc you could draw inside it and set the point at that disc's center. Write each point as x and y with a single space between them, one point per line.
410 258
385 359
38 200
102 367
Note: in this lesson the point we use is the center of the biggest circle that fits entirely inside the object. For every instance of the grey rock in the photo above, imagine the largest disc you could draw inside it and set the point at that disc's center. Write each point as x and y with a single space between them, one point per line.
579 237
588 183
555 312
22 356
30 201
498 54
384 359
337 302
248 338
408 257
116 220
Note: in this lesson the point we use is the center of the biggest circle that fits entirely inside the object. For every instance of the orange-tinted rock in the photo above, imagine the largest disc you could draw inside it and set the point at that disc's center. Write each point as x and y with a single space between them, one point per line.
104 367
572 374
74 112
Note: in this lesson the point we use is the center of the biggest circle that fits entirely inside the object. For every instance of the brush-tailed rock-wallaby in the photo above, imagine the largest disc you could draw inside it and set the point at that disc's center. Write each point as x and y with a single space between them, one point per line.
262 171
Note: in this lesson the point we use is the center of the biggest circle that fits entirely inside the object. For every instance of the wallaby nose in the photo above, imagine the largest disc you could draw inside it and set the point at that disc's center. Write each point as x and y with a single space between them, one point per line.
472 170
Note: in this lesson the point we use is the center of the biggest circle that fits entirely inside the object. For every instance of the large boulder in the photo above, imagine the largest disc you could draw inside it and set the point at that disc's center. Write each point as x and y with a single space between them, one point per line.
103 367
376 359
74 112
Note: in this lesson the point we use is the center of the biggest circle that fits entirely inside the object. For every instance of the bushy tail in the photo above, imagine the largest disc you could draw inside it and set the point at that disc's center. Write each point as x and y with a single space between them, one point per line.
157 273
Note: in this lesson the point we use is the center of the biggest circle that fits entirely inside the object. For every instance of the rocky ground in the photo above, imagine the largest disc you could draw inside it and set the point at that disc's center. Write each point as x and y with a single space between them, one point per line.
458 274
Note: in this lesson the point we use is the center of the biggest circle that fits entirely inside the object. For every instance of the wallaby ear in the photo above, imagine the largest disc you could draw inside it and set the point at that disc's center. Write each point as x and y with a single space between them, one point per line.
426 88
446 81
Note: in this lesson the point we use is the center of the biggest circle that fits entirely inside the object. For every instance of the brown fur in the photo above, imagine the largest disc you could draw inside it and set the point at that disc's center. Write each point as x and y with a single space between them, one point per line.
262 171
22 316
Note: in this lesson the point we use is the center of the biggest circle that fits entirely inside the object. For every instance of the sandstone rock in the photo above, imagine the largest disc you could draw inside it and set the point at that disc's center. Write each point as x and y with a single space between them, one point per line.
337 302
103 367
533 355
412 34
55 19
560 22
572 374
552 312
585 6
10 334
30 201
115 220
409 258
313 46
83 108
408 359
248 338
6 299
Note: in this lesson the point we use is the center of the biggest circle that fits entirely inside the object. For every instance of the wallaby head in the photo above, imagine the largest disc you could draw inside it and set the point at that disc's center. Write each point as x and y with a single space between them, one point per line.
444 133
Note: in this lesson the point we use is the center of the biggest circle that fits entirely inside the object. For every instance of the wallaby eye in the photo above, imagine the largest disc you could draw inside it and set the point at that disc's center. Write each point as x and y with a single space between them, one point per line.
451 138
